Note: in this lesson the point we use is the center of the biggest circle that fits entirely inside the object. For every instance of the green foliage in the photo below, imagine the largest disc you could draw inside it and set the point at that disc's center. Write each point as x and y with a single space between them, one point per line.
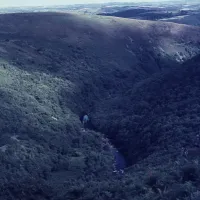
177 191
190 173
152 180
52 68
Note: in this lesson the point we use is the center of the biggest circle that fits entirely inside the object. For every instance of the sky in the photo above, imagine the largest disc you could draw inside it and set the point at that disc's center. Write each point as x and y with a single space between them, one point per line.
8 3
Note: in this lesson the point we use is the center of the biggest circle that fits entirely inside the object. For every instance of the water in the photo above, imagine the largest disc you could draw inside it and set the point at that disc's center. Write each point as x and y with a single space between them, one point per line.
120 162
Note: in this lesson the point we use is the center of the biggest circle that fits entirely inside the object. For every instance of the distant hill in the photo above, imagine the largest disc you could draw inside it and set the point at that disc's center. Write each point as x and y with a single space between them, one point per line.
54 66
179 13
141 13
193 19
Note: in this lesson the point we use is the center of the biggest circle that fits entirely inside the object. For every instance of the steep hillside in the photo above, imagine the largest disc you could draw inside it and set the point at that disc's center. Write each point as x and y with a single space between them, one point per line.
156 126
54 66
96 53
159 114
42 145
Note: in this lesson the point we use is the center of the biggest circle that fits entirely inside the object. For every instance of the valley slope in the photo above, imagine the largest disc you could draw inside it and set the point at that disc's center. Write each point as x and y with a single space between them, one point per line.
53 66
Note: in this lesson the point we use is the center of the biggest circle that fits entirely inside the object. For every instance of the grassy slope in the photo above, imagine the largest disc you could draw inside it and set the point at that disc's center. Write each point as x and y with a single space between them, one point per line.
52 67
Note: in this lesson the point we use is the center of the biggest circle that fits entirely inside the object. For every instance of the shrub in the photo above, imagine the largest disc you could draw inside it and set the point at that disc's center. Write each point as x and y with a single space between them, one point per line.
177 191
152 180
190 172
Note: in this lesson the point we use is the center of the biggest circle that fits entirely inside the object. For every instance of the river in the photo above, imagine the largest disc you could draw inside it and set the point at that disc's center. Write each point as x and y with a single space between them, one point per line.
120 162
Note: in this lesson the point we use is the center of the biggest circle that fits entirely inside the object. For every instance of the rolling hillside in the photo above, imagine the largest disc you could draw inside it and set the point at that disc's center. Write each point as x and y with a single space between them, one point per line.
54 66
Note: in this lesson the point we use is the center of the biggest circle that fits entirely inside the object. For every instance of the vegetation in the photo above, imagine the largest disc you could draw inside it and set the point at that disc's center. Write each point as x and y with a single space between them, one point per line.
54 66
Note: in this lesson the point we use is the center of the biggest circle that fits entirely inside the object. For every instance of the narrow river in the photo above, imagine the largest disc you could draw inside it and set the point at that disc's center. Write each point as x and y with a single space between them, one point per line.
120 162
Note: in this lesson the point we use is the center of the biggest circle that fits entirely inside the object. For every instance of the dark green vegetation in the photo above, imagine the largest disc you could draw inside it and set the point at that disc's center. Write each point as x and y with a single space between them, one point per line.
129 75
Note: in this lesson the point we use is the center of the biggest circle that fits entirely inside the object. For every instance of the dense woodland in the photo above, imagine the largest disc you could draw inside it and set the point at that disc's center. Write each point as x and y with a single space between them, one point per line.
142 100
